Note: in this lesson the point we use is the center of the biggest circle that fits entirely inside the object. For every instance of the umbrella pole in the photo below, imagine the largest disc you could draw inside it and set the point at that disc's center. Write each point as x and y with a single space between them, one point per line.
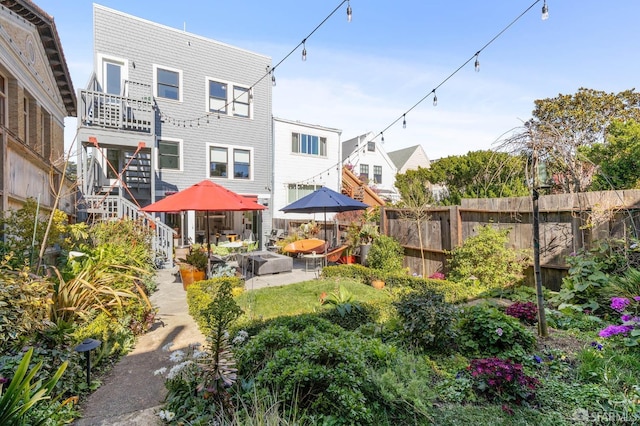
208 234
325 236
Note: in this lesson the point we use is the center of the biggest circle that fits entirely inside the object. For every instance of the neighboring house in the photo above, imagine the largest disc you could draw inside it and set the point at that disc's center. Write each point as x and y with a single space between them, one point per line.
36 94
369 161
165 109
307 157
410 158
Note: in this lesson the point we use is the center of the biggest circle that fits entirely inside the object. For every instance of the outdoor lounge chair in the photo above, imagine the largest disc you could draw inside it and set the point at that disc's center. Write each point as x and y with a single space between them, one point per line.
334 255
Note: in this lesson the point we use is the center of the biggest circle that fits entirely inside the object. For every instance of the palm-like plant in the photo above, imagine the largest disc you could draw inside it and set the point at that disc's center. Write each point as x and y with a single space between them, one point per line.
22 394
90 289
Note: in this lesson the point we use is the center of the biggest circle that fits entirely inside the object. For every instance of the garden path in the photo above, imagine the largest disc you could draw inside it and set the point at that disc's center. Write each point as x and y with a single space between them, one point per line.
131 394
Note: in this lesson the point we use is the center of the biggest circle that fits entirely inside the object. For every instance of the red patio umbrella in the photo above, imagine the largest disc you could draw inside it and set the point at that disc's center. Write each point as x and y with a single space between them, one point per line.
204 196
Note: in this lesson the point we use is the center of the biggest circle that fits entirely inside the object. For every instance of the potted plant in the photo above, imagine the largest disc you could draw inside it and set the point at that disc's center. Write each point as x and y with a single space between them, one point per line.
352 242
368 232
193 267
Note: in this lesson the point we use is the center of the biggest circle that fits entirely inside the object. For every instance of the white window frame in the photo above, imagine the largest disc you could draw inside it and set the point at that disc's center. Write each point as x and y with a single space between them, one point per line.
102 66
180 143
299 145
230 109
230 161
156 67
377 182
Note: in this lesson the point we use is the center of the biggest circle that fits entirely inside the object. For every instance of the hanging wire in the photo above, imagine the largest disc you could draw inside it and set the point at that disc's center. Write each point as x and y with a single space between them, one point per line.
270 70
448 77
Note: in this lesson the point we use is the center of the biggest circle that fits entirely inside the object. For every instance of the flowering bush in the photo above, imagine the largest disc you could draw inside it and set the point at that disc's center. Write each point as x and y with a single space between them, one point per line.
502 380
630 327
437 276
486 331
524 311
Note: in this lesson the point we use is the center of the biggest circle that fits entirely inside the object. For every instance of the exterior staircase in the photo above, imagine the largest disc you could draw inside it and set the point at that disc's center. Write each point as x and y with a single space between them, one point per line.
115 207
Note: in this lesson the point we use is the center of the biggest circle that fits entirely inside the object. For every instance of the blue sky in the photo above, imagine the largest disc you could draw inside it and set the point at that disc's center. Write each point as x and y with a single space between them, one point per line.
363 75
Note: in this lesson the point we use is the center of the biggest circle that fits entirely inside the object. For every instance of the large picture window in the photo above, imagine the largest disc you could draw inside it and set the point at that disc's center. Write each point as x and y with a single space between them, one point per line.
308 144
168 155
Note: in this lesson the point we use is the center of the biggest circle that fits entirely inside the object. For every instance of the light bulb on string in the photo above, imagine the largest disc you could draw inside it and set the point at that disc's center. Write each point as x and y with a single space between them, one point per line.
476 65
545 11
304 50
382 134
404 121
273 80
435 98
349 12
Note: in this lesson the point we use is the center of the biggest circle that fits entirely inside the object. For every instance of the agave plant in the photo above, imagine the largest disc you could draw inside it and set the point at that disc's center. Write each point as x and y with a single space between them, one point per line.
22 394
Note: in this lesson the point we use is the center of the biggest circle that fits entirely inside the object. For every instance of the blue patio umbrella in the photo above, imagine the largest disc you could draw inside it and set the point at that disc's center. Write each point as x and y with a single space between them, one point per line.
324 200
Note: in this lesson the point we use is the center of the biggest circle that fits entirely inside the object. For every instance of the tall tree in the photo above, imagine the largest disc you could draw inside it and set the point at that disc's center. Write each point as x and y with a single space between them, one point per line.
618 160
562 126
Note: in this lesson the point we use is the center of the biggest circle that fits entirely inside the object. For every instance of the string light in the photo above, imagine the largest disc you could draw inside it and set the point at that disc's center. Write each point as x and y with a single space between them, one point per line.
545 11
476 65
304 50
270 70
435 98
382 134
349 12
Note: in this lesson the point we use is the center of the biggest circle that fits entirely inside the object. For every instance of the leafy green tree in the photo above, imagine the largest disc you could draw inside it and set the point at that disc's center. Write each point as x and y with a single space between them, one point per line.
618 160
562 126
477 174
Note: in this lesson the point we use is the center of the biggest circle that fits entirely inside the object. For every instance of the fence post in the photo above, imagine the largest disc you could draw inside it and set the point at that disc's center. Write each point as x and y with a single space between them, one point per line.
455 227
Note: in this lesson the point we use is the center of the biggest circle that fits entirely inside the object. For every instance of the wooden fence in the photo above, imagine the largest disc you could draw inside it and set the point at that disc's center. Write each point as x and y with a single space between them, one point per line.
567 223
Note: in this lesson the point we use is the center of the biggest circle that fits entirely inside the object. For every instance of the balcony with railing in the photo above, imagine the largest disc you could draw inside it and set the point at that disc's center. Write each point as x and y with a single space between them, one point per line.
132 111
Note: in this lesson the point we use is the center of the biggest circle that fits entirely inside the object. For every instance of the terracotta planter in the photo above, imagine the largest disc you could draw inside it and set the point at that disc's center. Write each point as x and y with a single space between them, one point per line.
378 284
189 276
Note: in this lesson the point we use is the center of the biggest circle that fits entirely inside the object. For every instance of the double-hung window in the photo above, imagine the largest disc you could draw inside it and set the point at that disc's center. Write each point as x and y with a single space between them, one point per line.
227 98
168 155
218 162
168 83
241 164
377 174
3 101
217 97
241 97
308 144
230 162
364 171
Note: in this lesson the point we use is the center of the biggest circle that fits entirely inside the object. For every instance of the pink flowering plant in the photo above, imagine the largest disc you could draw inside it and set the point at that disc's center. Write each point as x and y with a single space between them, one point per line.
629 327
502 380
526 312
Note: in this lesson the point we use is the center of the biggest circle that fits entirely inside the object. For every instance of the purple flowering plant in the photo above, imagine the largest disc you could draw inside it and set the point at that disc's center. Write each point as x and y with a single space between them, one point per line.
437 276
503 380
526 312
629 328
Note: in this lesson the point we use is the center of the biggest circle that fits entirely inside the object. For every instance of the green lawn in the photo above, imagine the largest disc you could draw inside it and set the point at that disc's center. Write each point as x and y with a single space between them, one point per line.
300 298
